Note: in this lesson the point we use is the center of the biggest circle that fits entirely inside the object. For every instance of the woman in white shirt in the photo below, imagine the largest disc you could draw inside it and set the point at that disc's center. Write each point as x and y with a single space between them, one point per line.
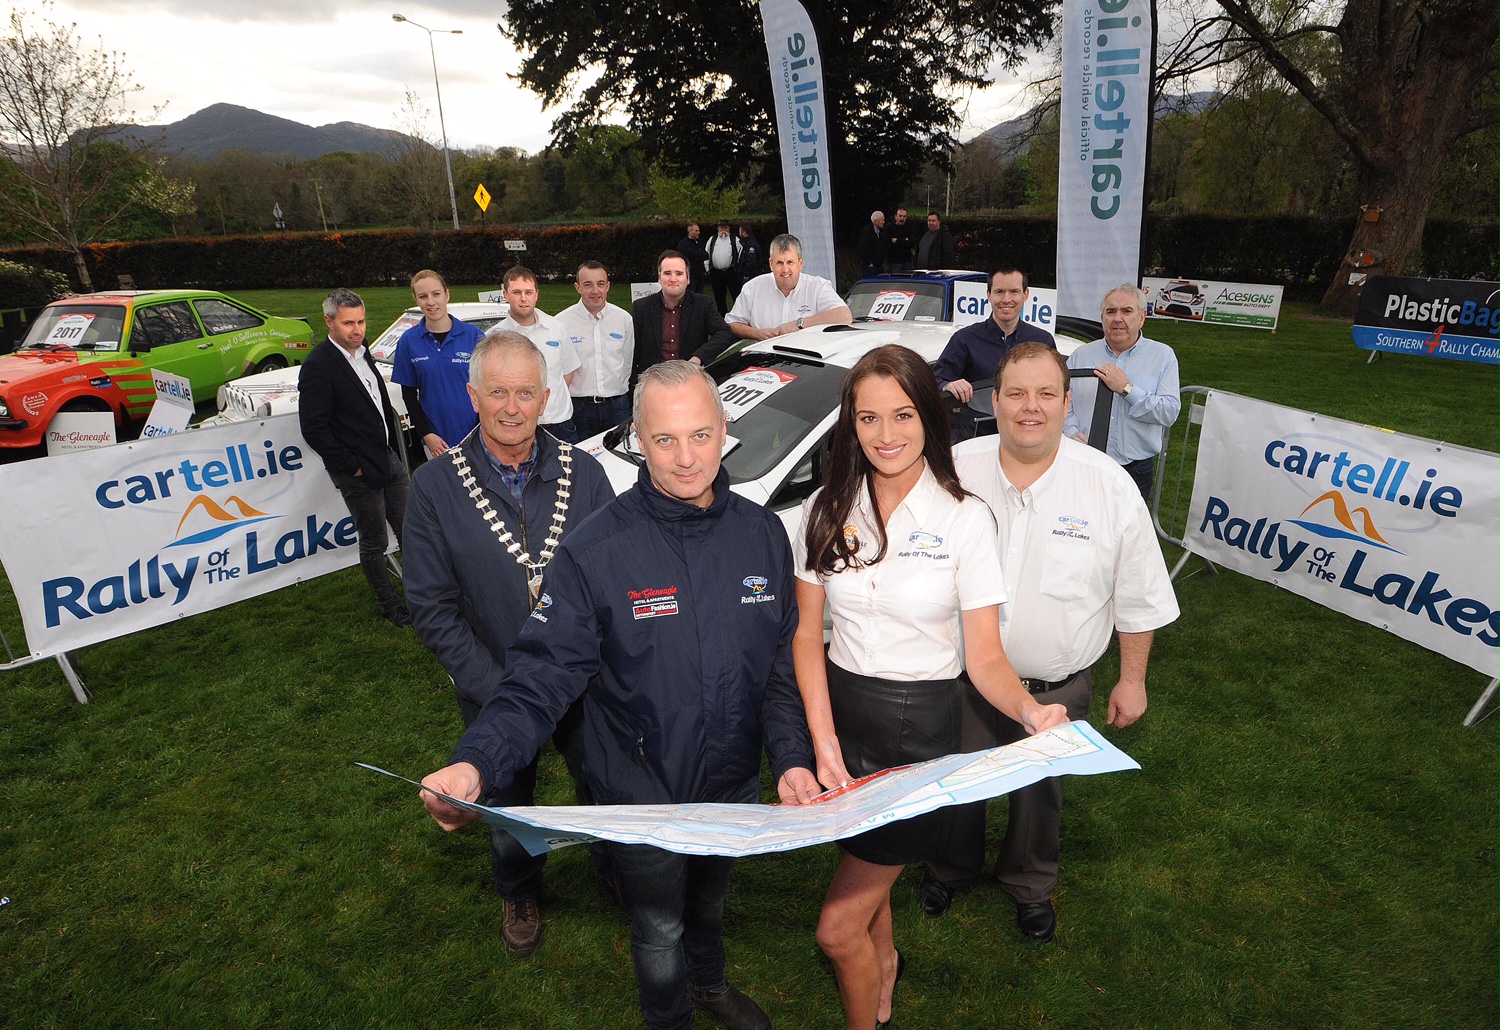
904 557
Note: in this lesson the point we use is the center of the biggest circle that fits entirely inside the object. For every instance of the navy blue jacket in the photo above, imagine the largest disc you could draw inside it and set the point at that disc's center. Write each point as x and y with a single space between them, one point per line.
685 616
974 352
467 595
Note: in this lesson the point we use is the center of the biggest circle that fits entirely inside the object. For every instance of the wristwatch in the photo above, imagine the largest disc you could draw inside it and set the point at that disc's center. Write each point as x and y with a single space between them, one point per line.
1128 387
799 322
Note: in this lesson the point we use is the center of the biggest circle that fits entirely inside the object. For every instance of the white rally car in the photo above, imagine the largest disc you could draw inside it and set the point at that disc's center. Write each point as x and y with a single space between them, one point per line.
782 399
275 392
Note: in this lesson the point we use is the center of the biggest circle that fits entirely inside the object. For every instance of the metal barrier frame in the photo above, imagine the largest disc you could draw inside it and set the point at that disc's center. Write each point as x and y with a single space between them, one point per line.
1195 398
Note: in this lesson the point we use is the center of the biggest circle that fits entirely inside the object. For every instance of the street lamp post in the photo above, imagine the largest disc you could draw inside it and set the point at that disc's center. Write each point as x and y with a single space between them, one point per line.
447 163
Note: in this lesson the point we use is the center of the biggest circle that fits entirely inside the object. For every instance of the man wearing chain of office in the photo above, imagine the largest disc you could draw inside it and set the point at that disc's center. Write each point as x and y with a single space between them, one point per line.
482 523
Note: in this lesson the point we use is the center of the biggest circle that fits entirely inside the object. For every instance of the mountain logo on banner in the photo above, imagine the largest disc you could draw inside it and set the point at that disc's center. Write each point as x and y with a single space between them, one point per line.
218 519
1345 529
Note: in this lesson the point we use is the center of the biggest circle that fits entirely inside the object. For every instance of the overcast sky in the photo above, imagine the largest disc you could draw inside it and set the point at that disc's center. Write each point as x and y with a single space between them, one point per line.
322 61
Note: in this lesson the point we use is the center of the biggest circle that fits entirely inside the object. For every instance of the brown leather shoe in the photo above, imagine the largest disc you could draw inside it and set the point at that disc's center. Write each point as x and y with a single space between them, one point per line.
521 927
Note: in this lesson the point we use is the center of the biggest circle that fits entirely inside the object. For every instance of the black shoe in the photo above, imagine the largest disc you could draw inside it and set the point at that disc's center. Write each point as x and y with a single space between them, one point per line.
1037 920
934 896
398 616
731 1008
884 1024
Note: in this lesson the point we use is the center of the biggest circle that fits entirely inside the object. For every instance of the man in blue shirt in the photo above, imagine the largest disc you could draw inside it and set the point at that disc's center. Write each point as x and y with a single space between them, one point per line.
432 368
974 352
1142 373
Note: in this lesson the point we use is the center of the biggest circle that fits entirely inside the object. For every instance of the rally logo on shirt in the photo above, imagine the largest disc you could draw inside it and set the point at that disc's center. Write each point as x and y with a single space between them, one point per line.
1072 527
924 545
757 587
851 538
652 602
542 603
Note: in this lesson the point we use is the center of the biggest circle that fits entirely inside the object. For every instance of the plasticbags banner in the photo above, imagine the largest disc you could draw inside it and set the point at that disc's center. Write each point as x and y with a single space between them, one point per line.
1393 530
797 89
1430 318
1101 177
107 542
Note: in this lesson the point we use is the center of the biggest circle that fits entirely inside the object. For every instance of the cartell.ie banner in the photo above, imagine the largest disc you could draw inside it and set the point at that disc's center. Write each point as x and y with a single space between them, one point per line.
801 129
102 543
1430 318
1393 530
1105 115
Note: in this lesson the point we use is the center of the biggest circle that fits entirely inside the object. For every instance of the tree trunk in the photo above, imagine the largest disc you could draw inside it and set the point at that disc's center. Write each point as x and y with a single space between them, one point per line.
1413 84
1388 233
83 269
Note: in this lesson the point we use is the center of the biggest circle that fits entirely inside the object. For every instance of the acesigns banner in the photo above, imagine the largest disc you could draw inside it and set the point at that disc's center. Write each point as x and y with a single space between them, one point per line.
1433 318
1393 530
797 88
107 542
1204 300
1105 118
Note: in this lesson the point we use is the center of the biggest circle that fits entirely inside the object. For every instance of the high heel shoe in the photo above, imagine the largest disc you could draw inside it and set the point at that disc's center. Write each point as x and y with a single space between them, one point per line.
884 1024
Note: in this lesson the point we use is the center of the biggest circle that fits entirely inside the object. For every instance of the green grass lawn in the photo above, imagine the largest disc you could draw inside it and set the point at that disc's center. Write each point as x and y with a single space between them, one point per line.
1311 841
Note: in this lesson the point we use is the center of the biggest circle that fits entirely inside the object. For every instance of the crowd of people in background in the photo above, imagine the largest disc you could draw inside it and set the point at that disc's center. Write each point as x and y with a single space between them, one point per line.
522 569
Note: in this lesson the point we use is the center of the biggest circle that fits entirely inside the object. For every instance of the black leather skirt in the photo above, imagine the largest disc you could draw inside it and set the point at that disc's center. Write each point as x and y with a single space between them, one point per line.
884 723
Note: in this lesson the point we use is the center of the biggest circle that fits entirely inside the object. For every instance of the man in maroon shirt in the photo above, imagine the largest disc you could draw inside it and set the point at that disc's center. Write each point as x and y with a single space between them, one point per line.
676 323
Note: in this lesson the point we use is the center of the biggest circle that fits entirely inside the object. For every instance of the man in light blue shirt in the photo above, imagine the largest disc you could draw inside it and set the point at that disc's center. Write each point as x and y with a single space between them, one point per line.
1143 375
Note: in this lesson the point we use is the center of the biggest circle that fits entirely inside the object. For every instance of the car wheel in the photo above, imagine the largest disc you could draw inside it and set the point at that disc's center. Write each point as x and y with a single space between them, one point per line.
271 364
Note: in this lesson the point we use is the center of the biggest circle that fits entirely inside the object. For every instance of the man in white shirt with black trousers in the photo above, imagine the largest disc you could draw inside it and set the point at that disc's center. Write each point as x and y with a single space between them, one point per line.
604 336
1081 561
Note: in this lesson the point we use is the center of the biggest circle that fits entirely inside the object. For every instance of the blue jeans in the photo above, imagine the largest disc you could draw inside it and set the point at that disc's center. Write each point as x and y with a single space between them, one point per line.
676 908
592 417
518 874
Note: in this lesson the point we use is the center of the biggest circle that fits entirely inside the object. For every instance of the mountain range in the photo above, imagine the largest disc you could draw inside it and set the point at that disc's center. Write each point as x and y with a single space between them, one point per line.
221 127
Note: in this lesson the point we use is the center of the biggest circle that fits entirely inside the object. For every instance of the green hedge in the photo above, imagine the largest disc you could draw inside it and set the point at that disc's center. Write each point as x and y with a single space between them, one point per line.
1299 253
303 260
26 286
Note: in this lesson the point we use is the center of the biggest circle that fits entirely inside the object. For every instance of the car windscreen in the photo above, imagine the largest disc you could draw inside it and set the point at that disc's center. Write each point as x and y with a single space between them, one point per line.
96 327
773 402
384 349
897 301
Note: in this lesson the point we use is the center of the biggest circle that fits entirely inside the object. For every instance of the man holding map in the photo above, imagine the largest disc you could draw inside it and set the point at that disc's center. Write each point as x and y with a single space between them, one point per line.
671 612
1080 562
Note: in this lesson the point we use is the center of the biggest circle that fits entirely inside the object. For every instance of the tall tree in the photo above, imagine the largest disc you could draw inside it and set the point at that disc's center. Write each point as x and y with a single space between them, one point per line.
1400 81
59 99
694 82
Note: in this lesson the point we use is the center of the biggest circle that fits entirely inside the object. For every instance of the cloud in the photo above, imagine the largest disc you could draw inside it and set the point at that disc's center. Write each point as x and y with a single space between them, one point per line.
298 12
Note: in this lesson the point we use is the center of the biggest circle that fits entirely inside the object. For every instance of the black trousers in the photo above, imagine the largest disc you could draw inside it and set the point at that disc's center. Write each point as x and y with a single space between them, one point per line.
1027 865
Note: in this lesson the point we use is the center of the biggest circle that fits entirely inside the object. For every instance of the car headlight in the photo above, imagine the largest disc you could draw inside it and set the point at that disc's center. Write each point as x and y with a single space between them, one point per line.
4 411
263 409
219 398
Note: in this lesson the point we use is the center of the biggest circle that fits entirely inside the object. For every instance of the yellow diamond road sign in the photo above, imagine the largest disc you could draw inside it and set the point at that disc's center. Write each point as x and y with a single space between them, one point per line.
482 198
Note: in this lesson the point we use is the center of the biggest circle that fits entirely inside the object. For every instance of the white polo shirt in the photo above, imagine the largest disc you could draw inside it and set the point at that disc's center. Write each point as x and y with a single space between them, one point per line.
763 306
899 618
605 345
562 358
1080 557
